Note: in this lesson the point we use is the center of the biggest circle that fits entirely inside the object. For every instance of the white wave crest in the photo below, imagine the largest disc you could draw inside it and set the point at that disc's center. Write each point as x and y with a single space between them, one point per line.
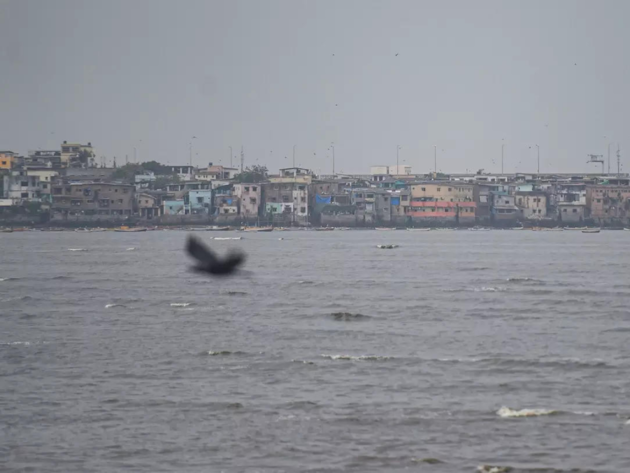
17 343
493 469
357 358
489 289
507 412
227 238
77 249
627 422
131 249
109 306
180 304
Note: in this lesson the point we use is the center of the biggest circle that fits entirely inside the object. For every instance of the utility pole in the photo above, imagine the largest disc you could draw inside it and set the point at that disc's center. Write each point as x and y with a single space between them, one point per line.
294 156
502 153
231 154
332 145
618 162
242 158
538 149
135 155
609 157
397 160
435 159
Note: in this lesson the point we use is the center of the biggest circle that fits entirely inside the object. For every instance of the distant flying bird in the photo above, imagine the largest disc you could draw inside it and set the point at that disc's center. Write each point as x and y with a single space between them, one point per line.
396 54
207 261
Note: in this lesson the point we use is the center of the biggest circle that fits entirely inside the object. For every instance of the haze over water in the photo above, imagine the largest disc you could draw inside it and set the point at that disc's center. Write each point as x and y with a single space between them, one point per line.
457 349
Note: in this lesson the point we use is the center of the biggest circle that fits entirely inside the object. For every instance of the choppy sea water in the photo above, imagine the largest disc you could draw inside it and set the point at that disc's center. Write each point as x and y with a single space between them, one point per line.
456 352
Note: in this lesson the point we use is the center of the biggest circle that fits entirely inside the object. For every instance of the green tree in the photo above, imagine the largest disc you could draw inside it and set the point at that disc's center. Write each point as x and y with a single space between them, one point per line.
252 174
127 172
160 183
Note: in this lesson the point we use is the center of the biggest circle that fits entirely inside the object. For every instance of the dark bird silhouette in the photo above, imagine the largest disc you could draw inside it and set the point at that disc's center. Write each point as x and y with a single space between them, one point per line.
207 261
397 54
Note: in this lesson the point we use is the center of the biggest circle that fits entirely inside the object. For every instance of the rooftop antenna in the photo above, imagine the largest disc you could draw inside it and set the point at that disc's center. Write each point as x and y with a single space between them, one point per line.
596 158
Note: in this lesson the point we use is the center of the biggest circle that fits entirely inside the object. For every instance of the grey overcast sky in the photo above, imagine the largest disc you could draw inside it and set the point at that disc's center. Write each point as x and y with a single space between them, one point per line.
464 75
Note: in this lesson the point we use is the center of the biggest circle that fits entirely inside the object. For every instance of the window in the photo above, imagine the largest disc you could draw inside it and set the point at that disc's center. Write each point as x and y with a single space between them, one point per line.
385 199
369 196
24 183
564 210
574 211
125 190
75 203
423 189
507 202
404 198
252 200
4 163
450 189
447 209
57 191
439 189
254 188
44 186
246 189
599 201
539 211
303 210
115 190
301 188
146 202
24 195
303 199
112 201
200 200
359 196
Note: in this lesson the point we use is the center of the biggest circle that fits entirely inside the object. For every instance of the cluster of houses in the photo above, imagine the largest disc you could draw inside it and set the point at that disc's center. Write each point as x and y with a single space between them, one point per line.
66 185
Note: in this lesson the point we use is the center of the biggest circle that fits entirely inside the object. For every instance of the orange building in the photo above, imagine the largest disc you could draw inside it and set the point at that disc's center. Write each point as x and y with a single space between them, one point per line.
6 159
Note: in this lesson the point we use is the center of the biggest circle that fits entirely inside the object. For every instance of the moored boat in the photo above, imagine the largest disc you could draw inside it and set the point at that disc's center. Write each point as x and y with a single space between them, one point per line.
591 230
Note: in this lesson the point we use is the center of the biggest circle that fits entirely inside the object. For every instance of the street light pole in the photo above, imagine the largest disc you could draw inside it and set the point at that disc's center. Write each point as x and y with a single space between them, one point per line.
294 156
332 145
502 146
609 157
538 149
397 160
435 159
231 153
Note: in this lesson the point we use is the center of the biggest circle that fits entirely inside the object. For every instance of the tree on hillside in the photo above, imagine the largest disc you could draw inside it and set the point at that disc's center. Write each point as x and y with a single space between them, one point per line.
127 172
161 182
252 174
157 168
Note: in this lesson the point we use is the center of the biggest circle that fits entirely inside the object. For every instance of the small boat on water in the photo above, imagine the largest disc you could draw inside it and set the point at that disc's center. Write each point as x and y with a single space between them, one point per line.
591 230
418 229
324 229
6 230
215 228
387 247
130 230
258 229
384 228
576 229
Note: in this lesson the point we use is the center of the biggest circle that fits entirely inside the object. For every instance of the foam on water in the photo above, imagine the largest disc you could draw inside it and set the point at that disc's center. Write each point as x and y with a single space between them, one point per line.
357 358
180 304
77 249
131 249
507 412
111 306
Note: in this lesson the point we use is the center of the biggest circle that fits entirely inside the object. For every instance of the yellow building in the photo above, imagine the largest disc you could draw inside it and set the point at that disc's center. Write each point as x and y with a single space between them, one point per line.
6 159
73 151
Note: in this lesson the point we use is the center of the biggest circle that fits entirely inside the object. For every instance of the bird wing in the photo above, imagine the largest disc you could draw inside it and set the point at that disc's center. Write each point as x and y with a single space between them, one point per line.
200 252
234 259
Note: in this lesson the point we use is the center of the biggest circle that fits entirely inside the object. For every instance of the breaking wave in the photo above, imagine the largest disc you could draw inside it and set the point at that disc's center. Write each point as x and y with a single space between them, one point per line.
224 353
180 304
8 279
490 289
111 306
357 358
77 249
130 249
526 281
506 412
